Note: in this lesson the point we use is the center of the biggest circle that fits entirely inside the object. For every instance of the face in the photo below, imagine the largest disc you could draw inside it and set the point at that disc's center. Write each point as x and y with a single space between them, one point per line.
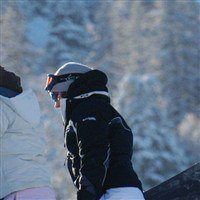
60 105
57 102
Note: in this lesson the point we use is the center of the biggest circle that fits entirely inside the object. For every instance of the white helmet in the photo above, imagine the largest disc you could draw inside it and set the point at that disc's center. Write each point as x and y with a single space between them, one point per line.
64 77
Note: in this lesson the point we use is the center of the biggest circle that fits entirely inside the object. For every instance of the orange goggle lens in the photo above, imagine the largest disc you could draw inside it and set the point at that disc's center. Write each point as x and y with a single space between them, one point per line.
49 80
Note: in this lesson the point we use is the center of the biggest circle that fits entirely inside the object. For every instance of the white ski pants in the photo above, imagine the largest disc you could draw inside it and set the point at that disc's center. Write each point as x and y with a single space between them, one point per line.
123 193
40 193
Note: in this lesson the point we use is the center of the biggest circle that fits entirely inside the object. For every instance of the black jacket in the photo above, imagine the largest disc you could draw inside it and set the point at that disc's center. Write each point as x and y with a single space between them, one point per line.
99 144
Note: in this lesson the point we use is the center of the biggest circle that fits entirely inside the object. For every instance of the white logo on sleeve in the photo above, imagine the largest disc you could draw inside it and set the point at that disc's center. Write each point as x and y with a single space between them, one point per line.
89 118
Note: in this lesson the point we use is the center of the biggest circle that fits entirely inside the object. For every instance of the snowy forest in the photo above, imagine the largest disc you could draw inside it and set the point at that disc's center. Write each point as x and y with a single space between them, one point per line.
150 50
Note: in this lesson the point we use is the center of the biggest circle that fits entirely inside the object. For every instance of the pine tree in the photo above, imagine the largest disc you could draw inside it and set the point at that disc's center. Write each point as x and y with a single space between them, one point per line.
180 58
157 153
128 32
16 53
135 34
166 50
69 37
103 44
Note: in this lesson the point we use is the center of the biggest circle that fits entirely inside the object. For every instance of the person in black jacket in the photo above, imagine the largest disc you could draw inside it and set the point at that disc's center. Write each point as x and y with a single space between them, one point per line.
98 140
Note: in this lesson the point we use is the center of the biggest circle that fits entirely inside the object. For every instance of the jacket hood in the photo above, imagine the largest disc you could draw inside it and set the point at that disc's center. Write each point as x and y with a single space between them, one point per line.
94 80
25 105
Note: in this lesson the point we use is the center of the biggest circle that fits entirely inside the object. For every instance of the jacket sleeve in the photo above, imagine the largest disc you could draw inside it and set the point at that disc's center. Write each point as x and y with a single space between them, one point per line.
3 122
94 151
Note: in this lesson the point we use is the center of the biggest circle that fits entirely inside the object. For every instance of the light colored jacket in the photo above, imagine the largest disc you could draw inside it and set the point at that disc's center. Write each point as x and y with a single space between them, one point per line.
22 144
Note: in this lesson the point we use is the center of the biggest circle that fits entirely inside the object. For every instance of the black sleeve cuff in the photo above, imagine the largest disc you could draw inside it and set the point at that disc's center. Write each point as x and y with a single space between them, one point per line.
85 195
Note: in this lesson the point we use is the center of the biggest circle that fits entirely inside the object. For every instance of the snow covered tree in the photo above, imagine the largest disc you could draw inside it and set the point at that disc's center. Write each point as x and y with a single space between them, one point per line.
157 153
70 33
166 45
16 52
180 60
136 27
128 38
33 8
103 46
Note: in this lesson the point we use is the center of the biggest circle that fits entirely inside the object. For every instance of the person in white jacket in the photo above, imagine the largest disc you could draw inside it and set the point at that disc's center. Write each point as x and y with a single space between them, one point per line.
23 169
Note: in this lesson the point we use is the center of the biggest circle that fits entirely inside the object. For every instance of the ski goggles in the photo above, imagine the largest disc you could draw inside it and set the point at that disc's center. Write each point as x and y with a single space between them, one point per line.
52 80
